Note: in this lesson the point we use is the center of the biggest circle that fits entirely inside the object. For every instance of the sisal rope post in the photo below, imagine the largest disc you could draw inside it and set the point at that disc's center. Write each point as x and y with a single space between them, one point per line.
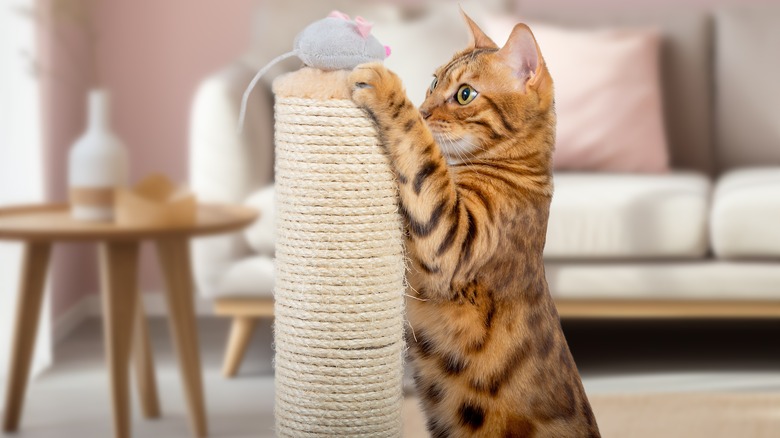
339 269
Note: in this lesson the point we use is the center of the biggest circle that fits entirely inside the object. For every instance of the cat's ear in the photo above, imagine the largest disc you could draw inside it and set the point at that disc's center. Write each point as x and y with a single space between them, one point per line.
477 38
521 54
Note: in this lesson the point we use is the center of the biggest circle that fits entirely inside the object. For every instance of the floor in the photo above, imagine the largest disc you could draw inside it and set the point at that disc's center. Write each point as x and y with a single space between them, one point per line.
71 399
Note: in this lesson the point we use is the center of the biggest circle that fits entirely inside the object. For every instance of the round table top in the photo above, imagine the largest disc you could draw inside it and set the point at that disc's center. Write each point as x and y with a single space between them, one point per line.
49 222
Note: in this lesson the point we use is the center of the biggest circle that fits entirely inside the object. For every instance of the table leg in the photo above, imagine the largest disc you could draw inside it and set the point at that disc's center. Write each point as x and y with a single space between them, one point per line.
174 255
119 276
28 310
144 364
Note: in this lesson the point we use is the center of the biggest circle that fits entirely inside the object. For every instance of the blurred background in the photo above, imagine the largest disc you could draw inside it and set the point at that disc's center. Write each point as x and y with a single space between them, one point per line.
663 246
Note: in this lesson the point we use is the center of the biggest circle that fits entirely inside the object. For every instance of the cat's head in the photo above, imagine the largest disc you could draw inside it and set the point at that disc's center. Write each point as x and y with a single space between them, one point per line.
487 97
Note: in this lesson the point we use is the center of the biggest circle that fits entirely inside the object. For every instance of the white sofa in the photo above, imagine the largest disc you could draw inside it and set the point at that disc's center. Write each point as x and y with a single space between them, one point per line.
703 240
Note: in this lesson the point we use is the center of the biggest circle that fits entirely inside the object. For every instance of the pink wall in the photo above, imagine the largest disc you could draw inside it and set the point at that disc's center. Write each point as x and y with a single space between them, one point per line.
151 56
63 51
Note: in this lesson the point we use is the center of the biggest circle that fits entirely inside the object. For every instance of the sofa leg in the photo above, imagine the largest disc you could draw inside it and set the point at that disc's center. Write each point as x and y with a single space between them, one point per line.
240 334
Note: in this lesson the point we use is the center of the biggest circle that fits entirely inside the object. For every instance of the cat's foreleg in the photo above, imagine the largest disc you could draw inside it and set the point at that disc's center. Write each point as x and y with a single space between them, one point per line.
442 230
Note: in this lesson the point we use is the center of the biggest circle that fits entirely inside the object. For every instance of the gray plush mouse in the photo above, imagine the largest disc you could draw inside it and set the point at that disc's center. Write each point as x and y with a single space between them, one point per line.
333 43
338 43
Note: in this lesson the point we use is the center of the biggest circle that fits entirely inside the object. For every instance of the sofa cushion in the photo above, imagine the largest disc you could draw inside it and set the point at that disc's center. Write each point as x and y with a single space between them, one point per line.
747 68
746 214
260 235
251 277
706 280
598 216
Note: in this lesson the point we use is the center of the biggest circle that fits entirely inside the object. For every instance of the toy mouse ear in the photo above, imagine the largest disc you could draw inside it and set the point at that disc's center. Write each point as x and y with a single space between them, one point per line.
363 26
477 38
338 14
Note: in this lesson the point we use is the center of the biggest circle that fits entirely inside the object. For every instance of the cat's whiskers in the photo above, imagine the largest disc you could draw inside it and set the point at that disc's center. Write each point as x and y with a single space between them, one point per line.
416 298
415 291
452 150
445 145
459 151
470 153
467 154
412 329
412 288
474 147
455 149
473 156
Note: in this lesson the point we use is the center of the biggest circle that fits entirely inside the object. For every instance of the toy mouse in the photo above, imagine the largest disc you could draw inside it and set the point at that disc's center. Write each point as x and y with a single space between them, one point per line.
332 43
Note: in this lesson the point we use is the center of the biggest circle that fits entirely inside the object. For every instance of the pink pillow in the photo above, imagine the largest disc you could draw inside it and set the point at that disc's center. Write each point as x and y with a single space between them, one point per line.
607 96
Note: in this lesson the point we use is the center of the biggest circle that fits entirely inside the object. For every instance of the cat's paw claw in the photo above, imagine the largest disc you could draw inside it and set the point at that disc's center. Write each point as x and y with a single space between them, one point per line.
371 84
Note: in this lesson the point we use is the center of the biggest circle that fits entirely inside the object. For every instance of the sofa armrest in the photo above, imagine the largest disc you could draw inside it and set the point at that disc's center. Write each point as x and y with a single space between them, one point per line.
225 166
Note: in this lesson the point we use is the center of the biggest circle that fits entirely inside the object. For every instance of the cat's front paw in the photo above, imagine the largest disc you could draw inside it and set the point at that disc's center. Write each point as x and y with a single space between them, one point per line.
374 87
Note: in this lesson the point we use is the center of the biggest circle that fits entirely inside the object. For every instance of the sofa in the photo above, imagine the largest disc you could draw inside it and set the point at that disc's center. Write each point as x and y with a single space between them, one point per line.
700 240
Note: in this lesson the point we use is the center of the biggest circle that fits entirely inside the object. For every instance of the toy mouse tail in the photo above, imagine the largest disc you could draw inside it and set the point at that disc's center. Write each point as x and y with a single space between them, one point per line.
255 80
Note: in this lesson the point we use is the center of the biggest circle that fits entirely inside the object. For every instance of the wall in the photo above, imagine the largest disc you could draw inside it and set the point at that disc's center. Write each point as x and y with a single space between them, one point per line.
151 55
64 85
21 167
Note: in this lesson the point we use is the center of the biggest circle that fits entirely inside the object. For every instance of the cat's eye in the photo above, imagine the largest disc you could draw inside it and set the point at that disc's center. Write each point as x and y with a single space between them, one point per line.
465 94
434 83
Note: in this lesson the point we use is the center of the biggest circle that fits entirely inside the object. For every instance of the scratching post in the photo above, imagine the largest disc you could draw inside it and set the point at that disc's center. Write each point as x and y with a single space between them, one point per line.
339 266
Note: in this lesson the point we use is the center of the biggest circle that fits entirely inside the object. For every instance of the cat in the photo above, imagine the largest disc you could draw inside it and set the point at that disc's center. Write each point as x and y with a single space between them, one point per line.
473 166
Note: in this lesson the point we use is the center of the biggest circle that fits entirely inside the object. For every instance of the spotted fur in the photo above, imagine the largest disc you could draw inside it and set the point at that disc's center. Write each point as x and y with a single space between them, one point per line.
475 186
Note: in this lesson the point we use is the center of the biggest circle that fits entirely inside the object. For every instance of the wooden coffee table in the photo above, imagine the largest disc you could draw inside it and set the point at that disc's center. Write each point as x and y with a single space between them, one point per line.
40 226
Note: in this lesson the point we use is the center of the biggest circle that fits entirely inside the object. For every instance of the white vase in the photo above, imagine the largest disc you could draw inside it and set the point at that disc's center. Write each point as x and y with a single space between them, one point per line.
97 164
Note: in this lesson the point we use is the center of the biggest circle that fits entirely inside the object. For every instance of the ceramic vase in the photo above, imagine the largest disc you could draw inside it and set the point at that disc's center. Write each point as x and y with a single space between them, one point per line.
97 164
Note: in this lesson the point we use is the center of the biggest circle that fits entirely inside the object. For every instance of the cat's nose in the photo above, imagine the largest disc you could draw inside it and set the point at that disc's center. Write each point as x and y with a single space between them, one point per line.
425 113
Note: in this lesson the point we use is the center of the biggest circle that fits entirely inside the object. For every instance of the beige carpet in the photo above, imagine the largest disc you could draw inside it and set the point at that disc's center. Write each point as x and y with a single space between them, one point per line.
667 415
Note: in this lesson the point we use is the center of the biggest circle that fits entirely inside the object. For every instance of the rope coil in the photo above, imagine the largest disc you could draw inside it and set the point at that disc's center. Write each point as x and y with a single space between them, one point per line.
339 275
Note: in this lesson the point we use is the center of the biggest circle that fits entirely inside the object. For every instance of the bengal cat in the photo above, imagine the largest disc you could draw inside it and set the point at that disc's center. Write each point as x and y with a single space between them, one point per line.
474 174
